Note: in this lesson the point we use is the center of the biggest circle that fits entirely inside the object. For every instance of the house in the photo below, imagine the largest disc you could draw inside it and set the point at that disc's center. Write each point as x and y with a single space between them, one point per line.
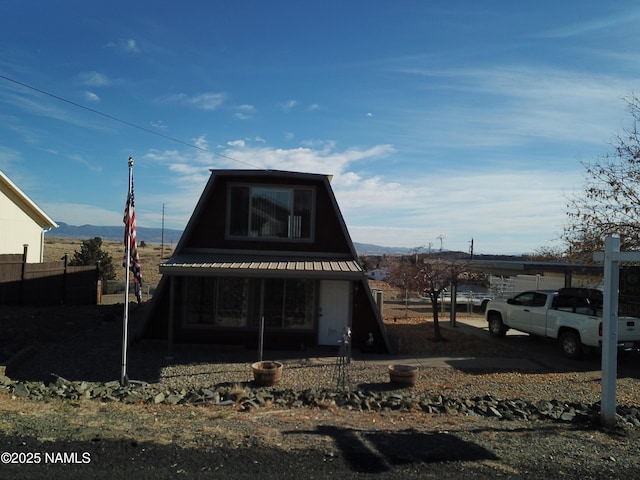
265 250
22 222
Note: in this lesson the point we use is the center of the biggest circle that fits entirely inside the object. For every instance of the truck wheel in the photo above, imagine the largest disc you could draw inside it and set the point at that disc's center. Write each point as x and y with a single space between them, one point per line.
496 327
570 344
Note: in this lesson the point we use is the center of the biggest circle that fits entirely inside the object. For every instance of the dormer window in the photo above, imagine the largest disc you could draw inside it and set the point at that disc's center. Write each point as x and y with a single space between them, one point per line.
270 212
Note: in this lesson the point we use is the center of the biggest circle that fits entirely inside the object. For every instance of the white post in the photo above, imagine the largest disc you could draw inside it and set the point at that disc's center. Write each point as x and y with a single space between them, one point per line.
124 380
610 331
261 332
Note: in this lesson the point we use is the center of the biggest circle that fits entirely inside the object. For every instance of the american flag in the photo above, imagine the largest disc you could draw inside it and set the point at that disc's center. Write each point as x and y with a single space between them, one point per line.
130 236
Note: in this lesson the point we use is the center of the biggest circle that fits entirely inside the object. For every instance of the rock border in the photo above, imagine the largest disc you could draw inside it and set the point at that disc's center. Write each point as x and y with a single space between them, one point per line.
248 397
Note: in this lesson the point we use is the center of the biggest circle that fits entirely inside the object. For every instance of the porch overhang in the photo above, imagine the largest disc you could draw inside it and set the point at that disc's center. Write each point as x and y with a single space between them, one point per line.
220 264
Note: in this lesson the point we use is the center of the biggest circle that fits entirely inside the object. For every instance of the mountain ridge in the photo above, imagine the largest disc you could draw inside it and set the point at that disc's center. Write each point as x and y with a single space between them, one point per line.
172 236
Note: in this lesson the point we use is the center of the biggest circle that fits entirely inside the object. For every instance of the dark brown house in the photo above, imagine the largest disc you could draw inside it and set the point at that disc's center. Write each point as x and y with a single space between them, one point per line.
271 245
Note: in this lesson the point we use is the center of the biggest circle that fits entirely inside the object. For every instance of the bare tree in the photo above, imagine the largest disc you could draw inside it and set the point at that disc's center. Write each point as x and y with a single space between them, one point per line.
610 203
401 275
548 254
433 276
429 275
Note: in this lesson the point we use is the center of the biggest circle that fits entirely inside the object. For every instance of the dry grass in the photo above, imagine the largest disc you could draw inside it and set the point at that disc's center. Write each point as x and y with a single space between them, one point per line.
151 255
411 330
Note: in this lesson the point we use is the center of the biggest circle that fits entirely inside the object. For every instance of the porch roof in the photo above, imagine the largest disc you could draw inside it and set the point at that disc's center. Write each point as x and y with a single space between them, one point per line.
255 265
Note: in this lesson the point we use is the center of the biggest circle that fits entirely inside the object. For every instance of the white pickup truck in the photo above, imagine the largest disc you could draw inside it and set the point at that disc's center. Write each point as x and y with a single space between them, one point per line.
572 316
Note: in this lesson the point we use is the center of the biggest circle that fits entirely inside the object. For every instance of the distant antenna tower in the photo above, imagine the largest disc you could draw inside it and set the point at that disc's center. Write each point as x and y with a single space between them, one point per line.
162 240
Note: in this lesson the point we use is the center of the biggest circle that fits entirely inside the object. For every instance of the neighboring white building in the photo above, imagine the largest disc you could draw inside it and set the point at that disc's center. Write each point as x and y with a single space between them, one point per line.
378 274
22 222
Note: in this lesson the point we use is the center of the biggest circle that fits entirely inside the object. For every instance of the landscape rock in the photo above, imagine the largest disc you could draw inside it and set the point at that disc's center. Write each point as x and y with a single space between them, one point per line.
362 400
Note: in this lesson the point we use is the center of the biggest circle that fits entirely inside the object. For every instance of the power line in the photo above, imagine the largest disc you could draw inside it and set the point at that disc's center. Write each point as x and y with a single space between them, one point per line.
124 122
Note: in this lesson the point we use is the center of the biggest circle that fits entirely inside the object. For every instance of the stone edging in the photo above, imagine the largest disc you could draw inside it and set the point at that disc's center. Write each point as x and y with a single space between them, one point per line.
247 397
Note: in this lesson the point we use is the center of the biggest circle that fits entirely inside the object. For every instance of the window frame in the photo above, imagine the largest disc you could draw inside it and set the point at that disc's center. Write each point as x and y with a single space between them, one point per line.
207 304
292 210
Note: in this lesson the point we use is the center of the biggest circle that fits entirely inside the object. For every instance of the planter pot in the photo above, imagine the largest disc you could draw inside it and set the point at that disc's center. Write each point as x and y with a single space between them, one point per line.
267 373
404 375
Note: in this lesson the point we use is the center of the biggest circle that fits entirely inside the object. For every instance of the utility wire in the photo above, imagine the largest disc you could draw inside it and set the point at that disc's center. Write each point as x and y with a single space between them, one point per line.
125 122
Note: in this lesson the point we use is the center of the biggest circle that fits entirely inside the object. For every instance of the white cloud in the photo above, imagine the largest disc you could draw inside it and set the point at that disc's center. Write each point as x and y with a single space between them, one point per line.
92 97
237 143
127 45
289 105
513 105
244 112
46 107
322 158
94 79
81 160
159 124
8 156
507 211
131 46
609 22
203 101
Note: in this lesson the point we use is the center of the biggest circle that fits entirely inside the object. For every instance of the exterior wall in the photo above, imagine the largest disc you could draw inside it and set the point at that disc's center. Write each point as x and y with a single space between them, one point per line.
209 229
245 336
362 321
17 230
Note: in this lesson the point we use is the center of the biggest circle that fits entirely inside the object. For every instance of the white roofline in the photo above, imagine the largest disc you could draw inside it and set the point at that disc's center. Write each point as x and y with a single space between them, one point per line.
26 204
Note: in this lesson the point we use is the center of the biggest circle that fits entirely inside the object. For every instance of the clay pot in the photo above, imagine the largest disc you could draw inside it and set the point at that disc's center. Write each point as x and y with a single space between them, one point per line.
267 373
405 375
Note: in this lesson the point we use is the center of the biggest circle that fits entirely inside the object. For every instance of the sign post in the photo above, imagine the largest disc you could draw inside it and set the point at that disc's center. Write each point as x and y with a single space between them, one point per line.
611 258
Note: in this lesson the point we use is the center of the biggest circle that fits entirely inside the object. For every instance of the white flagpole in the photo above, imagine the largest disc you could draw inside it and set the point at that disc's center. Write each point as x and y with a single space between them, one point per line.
124 380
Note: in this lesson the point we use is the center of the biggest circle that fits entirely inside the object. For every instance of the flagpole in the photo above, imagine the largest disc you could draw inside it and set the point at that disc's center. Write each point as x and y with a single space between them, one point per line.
124 380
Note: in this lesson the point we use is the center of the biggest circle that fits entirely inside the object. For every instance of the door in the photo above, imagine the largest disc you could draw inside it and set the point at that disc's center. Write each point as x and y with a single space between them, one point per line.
518 312
334 311
528 312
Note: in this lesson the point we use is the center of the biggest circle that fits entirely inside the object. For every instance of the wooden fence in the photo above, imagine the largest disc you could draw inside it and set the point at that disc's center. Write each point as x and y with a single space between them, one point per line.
51 283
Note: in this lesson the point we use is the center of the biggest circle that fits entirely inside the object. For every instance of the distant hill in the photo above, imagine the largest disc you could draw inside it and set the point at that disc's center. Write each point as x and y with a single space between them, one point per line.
171 237
375 250
144 234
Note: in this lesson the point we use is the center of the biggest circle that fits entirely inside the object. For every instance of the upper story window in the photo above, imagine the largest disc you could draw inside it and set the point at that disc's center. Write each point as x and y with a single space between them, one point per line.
270 212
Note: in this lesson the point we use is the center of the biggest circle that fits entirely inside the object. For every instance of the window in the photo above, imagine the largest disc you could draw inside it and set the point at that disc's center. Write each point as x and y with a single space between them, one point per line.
237 302
530 299
270 212
217 301
288 303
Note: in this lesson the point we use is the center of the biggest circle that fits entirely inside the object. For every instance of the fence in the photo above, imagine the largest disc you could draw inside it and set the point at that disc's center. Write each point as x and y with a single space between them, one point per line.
51 283
113 292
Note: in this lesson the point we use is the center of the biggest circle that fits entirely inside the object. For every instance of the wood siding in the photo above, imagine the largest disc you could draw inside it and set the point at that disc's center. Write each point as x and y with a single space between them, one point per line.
46 283
209 229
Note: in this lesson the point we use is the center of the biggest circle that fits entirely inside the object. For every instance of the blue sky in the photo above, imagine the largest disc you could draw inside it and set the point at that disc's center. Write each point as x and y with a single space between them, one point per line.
440 119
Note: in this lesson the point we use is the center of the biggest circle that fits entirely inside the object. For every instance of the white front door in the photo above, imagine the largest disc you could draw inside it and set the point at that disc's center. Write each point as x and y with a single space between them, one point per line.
334 311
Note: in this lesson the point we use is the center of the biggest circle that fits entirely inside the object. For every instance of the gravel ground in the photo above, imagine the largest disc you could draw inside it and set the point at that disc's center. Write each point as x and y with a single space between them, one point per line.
158 441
